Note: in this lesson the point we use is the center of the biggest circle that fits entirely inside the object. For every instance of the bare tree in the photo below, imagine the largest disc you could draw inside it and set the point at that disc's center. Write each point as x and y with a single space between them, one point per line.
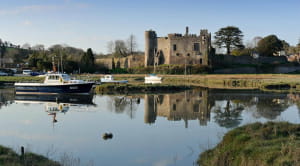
120 49
38 47
110 47
26 46
131 44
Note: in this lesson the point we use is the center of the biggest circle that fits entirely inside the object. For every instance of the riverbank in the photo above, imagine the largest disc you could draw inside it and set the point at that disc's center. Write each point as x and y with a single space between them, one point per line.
266 82
10 158
256 144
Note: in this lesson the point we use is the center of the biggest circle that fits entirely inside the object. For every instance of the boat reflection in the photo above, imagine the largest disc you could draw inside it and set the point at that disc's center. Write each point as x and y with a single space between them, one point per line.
56 104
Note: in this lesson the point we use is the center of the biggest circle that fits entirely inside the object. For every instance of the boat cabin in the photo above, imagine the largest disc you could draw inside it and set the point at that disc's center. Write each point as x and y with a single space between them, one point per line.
57 78
108 77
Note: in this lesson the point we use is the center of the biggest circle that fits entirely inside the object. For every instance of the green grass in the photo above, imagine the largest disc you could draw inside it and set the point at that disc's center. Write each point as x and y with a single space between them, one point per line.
21 79
137 88
10 158
274 144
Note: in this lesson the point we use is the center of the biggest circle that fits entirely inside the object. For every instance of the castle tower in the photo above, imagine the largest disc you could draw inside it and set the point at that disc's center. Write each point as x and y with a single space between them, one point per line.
205 46
150 47
150 109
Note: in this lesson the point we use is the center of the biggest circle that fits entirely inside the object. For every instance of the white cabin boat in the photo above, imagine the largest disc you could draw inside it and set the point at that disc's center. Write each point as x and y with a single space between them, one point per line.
55 83
110 79
153 79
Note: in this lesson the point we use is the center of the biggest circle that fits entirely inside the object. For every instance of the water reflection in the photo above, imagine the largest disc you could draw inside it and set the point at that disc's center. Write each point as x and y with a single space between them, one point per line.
57 104
120 104
207 113
7 96
189 105
225 106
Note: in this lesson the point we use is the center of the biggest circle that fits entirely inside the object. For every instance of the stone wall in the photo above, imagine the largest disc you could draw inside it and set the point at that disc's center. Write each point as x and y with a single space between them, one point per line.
125 62
231 60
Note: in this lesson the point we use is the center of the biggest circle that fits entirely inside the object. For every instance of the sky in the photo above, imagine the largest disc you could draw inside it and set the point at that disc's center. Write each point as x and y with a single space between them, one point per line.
93 23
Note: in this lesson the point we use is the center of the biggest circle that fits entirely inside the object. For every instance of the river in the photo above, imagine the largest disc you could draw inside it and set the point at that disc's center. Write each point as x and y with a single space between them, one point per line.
147 129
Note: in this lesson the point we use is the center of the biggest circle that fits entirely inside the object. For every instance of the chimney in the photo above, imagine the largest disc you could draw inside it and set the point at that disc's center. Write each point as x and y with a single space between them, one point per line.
186 31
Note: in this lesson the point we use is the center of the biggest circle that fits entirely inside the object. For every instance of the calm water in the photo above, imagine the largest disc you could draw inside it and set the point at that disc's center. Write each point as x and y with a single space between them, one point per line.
158 130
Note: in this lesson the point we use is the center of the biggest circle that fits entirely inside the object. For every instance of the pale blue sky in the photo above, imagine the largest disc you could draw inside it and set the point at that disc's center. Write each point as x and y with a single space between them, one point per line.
93 23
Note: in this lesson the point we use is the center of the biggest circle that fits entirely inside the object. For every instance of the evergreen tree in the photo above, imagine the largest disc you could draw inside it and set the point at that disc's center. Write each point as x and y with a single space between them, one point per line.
88 61
229 37
269 45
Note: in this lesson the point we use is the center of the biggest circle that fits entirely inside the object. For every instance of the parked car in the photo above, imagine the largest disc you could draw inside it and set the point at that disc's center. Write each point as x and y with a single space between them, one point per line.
3 73
27 72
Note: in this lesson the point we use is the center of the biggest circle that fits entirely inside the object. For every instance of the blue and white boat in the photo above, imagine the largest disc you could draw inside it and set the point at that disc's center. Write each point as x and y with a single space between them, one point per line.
55 83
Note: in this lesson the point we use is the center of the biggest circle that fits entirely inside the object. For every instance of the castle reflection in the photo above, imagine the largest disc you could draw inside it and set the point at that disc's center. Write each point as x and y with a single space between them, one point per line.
188 105
225 107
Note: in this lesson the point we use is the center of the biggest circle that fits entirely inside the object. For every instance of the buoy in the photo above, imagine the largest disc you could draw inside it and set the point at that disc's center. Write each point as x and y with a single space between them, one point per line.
106 136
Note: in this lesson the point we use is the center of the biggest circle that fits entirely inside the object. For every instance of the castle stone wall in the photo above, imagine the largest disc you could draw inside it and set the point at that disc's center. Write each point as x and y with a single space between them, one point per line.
177 48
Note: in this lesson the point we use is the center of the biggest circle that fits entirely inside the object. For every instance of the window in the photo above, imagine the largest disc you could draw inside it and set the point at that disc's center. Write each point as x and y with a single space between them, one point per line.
174 47
196 47
174 107
201 61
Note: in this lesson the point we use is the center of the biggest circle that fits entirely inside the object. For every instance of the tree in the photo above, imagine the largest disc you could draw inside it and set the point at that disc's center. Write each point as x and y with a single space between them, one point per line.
38 47
229 37
131 44
2 52
88 61
110 47
269 45
120 49
26 46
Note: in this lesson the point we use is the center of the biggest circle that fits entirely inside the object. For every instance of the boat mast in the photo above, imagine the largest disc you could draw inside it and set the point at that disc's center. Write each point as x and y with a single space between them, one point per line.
53 65
62 70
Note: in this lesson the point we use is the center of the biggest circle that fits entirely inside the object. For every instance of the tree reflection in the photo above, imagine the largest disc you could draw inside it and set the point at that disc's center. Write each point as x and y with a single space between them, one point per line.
127 104
271 108
228 116
7 96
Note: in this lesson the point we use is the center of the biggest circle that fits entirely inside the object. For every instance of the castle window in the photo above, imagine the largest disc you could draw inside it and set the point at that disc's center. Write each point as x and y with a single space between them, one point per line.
174 107
201 61
174 47
177 54
188 54
196 47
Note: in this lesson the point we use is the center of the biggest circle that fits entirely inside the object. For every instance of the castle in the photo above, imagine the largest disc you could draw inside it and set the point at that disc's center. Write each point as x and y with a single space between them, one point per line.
177 48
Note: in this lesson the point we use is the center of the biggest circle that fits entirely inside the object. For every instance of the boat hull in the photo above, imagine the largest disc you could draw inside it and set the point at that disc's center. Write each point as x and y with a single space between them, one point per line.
114 81
53 89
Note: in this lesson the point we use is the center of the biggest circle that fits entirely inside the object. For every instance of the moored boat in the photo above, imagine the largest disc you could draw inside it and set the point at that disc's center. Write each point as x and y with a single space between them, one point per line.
152 79
110 79
55 83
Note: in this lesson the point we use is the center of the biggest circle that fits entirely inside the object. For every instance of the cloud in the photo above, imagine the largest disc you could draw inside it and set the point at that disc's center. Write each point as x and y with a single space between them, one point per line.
41 8
27 23
26 9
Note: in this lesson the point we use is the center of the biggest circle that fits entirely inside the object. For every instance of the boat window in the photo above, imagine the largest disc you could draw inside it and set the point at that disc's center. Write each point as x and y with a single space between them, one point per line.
53 77
65 77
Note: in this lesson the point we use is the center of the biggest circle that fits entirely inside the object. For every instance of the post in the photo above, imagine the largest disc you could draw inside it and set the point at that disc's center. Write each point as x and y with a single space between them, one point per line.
22 154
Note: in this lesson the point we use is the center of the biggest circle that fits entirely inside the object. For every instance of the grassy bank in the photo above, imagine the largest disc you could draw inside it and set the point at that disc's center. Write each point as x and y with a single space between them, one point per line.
10 158
270 144
265 82
138 88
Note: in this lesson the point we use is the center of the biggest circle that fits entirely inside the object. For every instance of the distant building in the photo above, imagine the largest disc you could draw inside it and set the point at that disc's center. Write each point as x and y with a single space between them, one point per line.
177 48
